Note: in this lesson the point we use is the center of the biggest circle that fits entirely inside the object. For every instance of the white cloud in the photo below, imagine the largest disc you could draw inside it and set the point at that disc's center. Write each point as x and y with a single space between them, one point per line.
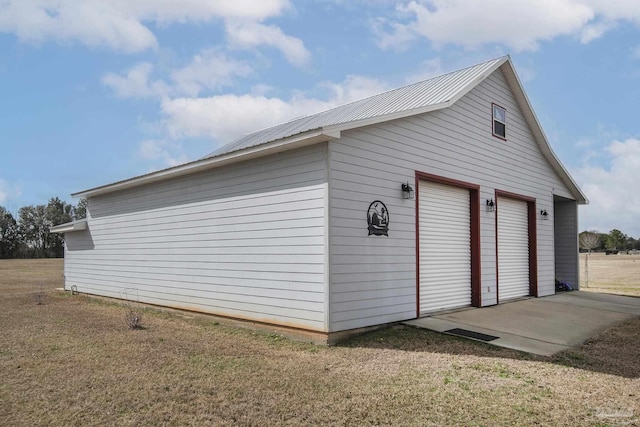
612 10
248 34
520 25
595 31
121 24
135 83
614 199
226 117
169 153
211 69
261 89
426 70
168 11
398 37
353 88
222 117
8 191
208 70
396 34
93 23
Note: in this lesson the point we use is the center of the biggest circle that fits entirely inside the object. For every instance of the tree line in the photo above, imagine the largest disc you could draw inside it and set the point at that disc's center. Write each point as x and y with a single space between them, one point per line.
595 241
29 235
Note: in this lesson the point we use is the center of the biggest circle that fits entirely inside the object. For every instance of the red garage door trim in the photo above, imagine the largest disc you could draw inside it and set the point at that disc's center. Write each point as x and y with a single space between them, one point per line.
533 241
474 206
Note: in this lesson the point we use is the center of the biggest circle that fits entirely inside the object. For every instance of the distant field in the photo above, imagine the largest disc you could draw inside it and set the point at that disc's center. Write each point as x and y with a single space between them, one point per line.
72 361
612 274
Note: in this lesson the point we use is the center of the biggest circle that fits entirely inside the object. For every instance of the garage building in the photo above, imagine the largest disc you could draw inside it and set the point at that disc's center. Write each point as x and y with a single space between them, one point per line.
435 196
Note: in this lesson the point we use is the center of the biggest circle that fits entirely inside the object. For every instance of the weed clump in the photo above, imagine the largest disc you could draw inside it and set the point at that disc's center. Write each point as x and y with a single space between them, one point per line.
39 295
133 318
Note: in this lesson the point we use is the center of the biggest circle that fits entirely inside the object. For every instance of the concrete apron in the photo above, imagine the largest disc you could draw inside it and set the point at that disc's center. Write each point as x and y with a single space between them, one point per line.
541 326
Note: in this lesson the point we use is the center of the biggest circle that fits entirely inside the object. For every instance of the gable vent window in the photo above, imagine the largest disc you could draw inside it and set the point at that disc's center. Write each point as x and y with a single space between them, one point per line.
499 121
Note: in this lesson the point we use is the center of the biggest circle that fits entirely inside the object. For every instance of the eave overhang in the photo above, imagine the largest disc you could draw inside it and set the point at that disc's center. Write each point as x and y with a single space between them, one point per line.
69 227
273 147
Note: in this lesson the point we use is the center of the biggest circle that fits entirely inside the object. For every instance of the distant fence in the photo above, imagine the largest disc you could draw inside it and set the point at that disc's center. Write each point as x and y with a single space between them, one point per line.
614 252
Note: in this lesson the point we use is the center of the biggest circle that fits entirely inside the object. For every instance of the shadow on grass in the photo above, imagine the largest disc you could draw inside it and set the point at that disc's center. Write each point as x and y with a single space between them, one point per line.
616 351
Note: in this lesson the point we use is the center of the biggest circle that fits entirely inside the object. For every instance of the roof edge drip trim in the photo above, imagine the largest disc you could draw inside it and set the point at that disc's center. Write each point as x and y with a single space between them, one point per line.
285 144
68 227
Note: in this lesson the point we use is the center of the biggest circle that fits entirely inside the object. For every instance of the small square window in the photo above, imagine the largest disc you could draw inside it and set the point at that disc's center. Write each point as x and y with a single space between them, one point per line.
499 121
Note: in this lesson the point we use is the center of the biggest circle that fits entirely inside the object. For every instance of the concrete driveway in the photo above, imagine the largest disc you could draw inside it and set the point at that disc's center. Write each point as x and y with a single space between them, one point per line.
541 326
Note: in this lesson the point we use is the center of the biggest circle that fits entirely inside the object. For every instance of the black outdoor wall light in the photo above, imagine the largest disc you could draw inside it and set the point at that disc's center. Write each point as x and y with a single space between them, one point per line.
491 205
407 191
545 214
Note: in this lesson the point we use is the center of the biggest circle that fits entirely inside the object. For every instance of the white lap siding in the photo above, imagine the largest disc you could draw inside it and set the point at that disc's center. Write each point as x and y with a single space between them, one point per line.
565 216
246 241
373 278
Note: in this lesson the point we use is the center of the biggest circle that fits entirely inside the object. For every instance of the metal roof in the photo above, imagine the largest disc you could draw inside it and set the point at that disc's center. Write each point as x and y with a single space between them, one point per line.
429 95
431 92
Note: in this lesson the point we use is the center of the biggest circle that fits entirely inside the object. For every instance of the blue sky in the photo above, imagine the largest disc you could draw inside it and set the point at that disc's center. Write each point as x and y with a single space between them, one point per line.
102 90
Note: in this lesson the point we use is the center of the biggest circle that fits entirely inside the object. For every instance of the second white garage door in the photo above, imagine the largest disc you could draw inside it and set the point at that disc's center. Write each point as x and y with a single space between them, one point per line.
445 247
513 248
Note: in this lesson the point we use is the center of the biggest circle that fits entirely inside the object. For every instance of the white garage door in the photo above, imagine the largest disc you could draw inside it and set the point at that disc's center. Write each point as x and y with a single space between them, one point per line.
445 247
513 249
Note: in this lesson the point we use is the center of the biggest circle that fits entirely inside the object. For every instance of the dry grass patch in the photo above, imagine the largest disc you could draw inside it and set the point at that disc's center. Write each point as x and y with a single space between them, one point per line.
612 274
74 361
